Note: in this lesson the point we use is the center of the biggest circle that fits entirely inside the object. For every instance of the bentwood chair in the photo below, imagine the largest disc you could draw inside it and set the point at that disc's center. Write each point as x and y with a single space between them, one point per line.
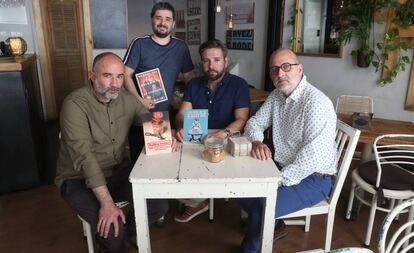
397 242
385 179
346 141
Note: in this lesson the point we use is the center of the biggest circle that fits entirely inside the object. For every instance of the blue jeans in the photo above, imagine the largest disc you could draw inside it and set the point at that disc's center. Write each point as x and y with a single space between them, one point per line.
308 192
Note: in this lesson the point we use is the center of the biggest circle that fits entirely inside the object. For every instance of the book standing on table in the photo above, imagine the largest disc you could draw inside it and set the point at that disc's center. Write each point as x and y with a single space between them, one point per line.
195 125
157 132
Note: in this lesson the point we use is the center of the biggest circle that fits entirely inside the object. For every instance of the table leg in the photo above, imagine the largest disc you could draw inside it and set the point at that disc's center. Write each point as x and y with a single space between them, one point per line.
269 221
366 152
141 221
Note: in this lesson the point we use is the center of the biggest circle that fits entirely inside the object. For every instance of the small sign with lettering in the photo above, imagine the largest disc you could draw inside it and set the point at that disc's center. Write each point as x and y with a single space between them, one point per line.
240 39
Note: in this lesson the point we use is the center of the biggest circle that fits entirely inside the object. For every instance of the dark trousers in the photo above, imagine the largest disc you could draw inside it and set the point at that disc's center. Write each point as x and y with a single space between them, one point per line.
84 202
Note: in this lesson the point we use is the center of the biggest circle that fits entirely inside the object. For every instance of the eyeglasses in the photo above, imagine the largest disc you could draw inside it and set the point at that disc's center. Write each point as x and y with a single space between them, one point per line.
286 67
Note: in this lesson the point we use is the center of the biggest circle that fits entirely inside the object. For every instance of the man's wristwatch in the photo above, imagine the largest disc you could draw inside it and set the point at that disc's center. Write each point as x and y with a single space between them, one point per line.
227 131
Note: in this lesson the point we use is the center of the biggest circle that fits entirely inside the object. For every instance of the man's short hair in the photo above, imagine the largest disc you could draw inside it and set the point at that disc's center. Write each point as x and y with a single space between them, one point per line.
213 44
162 6
99 57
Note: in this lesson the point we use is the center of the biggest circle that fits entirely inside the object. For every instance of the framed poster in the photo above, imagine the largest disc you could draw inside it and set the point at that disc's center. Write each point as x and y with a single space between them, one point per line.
179 19
240 39
193 32
242 13
109 24
193 7
180 35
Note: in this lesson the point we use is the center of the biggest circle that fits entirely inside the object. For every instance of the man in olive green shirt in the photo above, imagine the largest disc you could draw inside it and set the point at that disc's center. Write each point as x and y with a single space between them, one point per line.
93 164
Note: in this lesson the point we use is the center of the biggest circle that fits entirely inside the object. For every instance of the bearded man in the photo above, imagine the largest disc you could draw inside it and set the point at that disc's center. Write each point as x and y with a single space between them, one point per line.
94 164
227 99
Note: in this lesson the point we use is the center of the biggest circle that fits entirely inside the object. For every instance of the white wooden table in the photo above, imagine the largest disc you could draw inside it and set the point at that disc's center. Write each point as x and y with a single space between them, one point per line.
184 174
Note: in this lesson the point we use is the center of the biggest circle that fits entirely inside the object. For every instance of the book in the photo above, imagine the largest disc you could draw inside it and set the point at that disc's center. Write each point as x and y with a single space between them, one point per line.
195 125
157 132
150 84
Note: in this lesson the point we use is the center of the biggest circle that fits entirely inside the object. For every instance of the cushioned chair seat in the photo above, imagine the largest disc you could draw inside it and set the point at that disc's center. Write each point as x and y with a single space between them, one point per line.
392 177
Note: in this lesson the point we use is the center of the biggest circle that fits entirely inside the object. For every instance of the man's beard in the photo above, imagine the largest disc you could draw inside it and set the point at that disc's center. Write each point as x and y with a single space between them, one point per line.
109 93
215 77
161 34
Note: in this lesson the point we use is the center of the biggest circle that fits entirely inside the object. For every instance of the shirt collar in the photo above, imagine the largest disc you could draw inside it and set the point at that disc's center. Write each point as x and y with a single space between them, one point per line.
224 80
297 92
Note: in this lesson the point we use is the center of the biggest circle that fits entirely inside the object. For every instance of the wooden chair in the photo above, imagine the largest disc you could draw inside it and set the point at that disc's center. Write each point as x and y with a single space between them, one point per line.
385 177
346 104
346 136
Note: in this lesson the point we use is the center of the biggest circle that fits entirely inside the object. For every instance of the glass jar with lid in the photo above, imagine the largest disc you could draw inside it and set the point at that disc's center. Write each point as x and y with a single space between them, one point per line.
213 150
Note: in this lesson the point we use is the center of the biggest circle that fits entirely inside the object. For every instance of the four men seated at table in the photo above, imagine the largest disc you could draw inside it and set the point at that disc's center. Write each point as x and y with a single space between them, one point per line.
94 162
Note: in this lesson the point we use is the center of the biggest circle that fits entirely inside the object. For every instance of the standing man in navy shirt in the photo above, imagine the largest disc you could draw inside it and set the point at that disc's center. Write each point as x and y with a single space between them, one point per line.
227 99
159 50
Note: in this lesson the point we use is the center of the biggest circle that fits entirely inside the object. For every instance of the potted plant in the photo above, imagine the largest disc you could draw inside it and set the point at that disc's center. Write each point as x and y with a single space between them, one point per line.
356 21
357 18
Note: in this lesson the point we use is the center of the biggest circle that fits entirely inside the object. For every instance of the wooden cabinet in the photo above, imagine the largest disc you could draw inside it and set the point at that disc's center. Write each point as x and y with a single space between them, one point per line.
21 123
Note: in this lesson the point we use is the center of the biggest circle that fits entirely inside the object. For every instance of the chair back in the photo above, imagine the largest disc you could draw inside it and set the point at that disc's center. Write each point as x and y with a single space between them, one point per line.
398 242
394 149
346 140
346 104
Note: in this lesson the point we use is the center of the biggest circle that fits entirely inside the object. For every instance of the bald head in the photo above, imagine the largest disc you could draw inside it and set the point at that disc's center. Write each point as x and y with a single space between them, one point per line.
285 53
106 56
285 70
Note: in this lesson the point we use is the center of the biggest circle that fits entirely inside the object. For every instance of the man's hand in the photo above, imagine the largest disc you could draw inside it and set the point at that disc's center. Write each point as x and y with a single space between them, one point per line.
218 134
147 102
175 145
180 135
108 214
260 151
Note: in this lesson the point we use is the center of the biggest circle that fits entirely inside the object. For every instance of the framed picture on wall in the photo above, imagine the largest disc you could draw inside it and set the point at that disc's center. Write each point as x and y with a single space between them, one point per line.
193 32
180 35
240 39
242 13
179 19
193 7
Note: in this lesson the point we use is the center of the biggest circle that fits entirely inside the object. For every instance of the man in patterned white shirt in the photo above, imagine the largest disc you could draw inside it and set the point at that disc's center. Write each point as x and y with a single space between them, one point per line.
303 124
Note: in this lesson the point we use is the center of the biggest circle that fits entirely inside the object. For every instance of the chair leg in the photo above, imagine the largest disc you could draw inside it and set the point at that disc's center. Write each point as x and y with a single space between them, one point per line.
350 201
409 228
87 231
371 220
211 210
307 223
329 229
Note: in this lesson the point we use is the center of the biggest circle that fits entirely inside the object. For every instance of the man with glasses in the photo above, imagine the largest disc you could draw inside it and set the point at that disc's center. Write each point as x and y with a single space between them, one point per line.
303 124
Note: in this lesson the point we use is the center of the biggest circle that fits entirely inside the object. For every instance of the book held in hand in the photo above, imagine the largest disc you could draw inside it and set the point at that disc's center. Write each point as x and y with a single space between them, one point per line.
195 125
157 132
150 84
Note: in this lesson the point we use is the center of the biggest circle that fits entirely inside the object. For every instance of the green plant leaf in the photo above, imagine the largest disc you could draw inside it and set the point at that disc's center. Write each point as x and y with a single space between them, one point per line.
405 59
354 53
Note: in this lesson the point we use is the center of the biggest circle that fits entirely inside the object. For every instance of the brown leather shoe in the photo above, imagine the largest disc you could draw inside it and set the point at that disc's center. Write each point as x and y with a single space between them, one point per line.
191 212
280 231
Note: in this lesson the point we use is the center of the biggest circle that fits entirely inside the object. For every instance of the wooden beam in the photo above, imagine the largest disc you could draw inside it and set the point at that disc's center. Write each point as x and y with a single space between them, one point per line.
409 101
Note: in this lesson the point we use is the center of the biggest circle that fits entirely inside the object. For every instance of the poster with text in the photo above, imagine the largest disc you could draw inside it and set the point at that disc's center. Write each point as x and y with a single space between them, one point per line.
193 7
240 39
193 32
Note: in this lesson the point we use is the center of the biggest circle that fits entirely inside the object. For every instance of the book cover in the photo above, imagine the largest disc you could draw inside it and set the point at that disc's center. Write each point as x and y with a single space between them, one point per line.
195 124
157 132
150 84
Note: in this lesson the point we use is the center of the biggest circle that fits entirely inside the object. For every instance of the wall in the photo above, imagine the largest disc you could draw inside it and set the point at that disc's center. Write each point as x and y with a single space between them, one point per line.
251 63
139 23
339 76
